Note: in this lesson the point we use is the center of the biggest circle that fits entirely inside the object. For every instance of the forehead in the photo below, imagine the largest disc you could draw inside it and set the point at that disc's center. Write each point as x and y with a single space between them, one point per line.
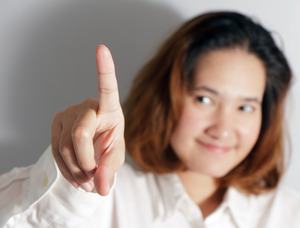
231 71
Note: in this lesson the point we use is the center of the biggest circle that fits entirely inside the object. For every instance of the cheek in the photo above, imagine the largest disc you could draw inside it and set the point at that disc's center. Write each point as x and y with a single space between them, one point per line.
187 129
191 122
250 132
182 131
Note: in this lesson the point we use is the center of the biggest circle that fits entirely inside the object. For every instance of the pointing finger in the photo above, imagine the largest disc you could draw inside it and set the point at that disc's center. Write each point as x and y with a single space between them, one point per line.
107 82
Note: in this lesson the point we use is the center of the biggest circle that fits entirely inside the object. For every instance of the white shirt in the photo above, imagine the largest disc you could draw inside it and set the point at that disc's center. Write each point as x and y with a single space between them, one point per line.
39 196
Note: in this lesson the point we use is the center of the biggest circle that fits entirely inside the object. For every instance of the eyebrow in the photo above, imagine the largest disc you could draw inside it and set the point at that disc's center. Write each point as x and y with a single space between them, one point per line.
215 92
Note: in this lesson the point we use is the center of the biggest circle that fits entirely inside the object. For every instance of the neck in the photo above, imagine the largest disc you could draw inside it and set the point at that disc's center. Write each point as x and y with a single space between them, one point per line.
203 190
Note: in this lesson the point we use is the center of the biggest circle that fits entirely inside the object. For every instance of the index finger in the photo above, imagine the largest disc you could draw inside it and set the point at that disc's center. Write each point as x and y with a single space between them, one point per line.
108 94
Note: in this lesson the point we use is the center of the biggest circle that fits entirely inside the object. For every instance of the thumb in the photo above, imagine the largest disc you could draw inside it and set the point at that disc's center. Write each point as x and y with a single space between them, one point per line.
103 180
109 163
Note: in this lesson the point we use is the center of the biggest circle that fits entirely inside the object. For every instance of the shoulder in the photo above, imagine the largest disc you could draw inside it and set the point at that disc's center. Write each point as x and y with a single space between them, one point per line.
287 204
278 207
290 197
283 196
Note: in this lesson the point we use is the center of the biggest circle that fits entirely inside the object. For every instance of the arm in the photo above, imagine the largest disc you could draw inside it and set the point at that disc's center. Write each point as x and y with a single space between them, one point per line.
39 196
88 147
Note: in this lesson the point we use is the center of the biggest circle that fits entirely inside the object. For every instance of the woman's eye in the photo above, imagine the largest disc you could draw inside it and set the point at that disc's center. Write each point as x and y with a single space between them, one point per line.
247 108
204 100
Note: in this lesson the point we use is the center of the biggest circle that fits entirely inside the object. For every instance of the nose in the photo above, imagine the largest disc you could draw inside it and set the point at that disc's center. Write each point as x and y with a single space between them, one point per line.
221 125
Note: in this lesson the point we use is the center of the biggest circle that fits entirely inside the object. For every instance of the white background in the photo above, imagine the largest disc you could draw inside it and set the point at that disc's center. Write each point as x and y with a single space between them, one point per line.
47 58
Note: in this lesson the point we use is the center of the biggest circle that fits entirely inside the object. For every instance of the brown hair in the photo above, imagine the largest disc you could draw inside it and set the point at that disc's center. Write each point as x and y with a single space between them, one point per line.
154 104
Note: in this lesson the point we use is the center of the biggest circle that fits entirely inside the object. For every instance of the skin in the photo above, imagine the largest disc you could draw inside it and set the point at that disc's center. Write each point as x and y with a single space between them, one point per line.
220 122
88 139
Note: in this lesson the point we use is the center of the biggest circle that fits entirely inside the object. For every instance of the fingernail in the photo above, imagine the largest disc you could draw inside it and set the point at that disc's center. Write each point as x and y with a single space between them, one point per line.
87 186
75 185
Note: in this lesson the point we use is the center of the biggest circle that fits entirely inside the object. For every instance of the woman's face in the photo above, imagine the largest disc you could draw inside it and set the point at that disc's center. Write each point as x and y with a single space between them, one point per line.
221 116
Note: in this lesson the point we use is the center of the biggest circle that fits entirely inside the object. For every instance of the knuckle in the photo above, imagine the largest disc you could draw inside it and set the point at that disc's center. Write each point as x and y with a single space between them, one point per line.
80 132
88 104
85 166
69 112
87 101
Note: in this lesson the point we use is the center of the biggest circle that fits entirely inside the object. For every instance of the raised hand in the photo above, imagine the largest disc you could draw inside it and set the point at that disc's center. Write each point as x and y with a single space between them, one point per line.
88 138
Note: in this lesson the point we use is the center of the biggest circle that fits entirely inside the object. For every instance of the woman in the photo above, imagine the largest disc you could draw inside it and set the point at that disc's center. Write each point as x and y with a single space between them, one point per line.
204 135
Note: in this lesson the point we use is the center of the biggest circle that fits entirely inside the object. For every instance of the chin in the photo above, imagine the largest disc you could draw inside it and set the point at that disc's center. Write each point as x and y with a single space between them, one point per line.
214 172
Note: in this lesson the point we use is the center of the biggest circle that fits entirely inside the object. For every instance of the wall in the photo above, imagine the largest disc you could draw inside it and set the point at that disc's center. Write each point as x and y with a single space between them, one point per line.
48 49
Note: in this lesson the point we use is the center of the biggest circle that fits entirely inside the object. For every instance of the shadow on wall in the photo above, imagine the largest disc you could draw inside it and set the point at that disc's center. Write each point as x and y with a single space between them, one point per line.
55 65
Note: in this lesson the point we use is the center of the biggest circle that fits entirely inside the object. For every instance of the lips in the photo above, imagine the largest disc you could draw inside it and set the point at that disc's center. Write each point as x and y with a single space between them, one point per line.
214 148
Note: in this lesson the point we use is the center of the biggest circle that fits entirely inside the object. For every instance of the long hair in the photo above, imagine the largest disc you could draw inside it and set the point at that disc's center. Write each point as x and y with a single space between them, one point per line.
154 104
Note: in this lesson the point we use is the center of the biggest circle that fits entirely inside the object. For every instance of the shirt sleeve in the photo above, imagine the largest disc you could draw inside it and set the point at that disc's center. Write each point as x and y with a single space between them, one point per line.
39 196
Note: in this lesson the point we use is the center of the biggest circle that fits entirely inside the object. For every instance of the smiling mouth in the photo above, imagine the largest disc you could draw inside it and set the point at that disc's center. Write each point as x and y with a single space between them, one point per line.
213 148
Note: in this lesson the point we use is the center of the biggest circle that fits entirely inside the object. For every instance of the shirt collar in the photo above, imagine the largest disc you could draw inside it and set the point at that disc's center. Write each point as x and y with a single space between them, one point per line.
238 205
173 194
